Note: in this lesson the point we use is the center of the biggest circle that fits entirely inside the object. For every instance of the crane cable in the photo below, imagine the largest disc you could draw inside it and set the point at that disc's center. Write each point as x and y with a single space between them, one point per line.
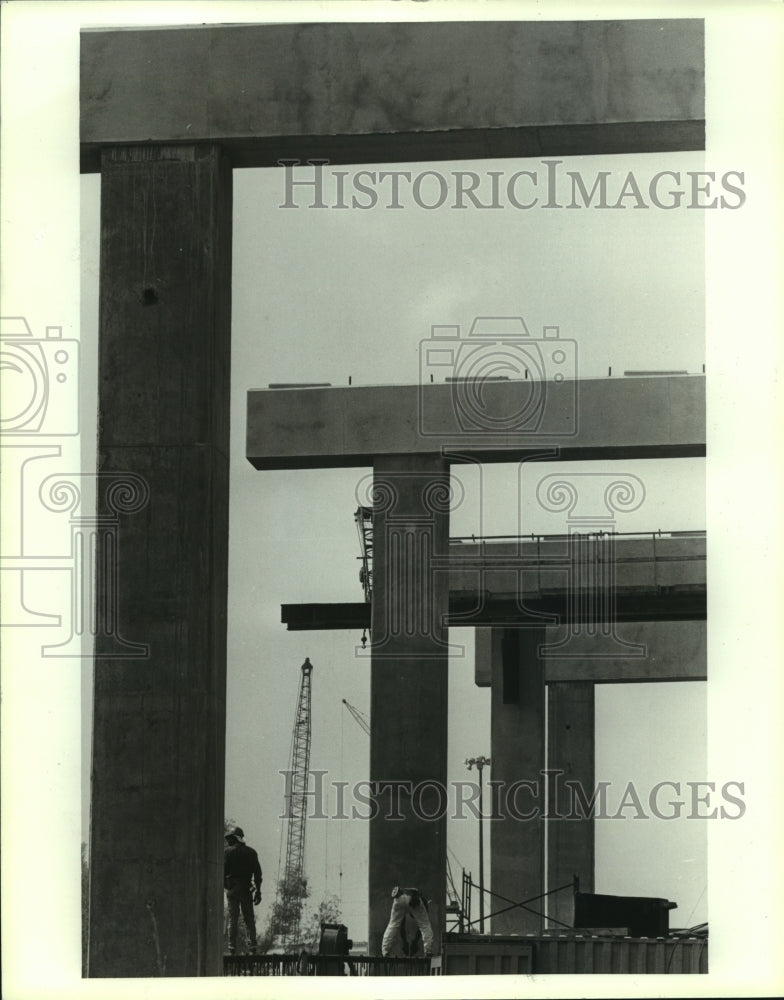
283 823
449 870
360 718
449 876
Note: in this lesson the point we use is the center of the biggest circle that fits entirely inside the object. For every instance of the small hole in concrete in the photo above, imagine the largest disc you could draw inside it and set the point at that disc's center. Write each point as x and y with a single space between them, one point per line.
149 297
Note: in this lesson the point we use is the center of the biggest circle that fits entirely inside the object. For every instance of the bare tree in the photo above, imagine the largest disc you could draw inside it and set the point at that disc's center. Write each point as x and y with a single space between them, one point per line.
328 912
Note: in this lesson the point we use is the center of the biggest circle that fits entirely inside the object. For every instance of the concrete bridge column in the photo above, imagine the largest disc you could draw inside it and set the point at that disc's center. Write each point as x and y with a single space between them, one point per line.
518 741
570 748
159 723
408 694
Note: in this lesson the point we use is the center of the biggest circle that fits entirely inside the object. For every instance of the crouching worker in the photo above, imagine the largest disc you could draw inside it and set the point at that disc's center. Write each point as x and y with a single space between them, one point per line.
242 881
408 932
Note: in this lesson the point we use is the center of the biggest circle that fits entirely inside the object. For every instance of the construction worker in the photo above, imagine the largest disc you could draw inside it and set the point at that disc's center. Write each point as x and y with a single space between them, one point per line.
242 881
409 918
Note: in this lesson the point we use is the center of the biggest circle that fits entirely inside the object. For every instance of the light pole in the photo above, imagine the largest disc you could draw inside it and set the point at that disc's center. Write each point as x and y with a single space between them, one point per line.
479 763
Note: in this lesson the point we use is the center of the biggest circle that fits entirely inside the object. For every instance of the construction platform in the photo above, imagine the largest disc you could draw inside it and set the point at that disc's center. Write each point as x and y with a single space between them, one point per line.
528 954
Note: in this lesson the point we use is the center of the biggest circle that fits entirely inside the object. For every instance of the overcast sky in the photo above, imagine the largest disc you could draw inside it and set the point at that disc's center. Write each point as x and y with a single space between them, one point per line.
321 295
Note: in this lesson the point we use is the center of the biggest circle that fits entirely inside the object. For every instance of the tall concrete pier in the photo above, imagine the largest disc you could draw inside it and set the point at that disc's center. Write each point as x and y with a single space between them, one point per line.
408 681
157 797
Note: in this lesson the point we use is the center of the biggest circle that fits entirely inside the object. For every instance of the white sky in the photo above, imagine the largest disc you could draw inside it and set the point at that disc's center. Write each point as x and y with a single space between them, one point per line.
320 295
355 293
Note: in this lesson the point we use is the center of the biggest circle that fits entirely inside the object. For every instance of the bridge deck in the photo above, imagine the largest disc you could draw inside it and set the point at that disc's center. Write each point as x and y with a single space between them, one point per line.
657 578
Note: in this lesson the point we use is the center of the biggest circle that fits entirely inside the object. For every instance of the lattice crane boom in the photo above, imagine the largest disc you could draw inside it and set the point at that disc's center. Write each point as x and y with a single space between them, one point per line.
361 719
363 518
292 886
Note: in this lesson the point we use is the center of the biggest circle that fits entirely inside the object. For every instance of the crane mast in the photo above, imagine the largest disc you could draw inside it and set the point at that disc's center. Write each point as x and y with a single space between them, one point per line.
363 518
292 887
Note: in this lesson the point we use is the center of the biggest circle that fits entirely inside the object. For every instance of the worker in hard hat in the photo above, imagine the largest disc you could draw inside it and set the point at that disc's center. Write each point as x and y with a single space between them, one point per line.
409 918
242 881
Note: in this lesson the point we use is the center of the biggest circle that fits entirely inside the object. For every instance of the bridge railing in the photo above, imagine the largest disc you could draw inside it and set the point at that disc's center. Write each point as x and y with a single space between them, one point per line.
323 965
560 536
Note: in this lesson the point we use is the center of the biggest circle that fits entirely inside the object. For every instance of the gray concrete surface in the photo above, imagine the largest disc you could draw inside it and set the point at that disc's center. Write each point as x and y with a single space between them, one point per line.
571 839
649 417
674 651
156 849
408 685
657 579
517 755
377 92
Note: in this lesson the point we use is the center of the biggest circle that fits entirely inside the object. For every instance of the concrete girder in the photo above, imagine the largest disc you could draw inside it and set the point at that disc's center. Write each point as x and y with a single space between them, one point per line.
384 92
604 418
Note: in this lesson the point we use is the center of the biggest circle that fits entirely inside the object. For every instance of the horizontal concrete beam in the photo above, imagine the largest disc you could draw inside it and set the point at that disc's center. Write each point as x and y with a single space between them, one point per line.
375 92
674 651
684 605
533 570
657 578
606 418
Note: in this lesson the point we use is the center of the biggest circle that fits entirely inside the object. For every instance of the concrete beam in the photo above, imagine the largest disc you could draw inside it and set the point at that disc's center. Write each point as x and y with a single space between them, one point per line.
440 90
658 578
156 852
607 418
674 651
679 606
554 565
